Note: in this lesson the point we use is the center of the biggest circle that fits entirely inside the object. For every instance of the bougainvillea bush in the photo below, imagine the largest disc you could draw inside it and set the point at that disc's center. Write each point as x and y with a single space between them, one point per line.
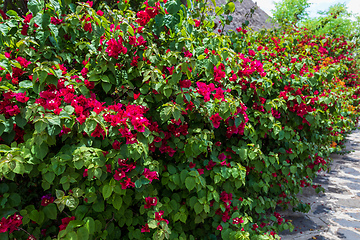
149 125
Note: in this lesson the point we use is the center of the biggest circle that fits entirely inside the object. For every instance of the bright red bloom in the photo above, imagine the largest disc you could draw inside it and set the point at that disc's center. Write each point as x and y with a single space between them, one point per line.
25 29
65 222
216 120
127 184
23 62
21 97
197 23
222 157
143 18
116 145
237 220
145 228
205 90
159 218
185 83
115 48
119 175
88 27
150 175
31 237
98 132
150 201
56 21
219 72
46 200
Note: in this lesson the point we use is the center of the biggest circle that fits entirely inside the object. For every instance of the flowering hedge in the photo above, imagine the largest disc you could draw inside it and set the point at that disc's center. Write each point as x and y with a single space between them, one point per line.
138 125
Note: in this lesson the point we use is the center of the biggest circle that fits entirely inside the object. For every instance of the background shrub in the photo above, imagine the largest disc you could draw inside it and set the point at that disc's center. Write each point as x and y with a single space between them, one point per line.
147 124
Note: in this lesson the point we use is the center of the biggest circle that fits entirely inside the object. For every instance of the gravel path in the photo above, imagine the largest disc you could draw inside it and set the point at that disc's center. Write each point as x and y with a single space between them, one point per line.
334 214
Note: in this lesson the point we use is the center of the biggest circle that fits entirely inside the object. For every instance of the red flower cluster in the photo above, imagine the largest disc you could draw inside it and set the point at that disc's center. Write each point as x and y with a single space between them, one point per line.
65 222
46 200
146 15
150 201
11 223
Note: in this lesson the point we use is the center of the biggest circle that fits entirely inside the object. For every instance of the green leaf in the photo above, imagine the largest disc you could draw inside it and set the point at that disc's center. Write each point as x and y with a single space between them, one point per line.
293 169
99 206
106 86
165 113
55 4
41 151
77 192
50 211
54 120
190 183
198 208
176 114
81 211
90 224
107 191
172 7
117 202
49 176
40 126
231 6
12 13
34 6
59 194
83 233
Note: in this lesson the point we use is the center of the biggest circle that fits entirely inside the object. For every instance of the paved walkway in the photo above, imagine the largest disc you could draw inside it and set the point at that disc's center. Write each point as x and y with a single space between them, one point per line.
334 214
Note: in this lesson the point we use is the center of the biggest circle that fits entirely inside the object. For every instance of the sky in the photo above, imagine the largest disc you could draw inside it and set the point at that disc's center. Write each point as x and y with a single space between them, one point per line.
316 5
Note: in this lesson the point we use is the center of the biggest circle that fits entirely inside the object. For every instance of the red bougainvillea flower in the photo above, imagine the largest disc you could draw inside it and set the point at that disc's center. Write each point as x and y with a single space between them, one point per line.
56 21
23 62
185 83
222 157
219 72
11 223
145 228
46 200
192 165
237 220
98 132
127 184
150 175
25 29
150 201
220 228
188 54
115 48
28 18
205 90
119 175
215 119
159 218
116 145
65 222
88 27
100 13
197 23
21 97
31 237
108 168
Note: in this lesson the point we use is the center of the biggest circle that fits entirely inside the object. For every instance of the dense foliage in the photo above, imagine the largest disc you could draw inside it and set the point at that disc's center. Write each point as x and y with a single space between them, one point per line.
118 124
